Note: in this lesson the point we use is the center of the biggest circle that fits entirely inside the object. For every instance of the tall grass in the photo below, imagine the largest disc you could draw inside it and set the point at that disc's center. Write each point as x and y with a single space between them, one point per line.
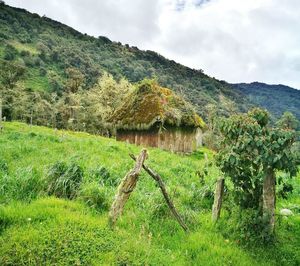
36 229
63 180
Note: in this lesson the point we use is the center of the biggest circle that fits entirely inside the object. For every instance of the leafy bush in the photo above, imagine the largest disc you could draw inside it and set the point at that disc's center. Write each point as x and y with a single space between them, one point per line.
63 180
284 186
95 196
24 185
10 52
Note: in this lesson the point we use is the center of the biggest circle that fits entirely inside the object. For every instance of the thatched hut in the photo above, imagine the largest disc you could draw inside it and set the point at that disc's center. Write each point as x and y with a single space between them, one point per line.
155 116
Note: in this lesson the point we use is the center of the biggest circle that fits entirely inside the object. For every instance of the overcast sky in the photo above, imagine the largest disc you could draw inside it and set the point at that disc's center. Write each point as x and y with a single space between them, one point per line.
233 40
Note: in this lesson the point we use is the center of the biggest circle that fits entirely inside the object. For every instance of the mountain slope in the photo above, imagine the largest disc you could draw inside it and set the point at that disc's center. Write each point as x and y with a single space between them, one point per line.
275 98
48 48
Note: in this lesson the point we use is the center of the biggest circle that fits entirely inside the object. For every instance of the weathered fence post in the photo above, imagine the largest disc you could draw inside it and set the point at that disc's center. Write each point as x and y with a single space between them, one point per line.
125 188
218 198
269 196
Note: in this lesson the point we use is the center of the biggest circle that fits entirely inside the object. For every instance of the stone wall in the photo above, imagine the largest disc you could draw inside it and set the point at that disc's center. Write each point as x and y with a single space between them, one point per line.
180 140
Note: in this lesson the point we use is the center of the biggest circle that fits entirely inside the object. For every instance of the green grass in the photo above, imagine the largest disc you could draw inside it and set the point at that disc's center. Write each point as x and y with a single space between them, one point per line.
24 47
36 229
36 82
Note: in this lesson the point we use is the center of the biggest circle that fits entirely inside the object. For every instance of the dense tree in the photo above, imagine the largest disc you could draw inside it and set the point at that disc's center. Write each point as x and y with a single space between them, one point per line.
288 121
60 47
251 153
10 52
102 100
10 74
69 109
75 80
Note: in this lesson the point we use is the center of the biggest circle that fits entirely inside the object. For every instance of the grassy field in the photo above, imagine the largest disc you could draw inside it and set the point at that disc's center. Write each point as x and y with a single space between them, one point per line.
40 229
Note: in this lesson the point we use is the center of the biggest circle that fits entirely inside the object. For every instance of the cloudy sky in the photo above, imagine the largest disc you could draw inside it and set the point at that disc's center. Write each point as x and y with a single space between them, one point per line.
234 40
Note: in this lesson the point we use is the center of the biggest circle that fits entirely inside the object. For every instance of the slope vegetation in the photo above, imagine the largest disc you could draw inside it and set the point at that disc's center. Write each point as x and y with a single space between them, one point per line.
275 98
47 48
41 229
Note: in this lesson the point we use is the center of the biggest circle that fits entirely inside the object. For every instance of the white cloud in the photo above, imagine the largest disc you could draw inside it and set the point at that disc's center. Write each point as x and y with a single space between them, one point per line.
234 40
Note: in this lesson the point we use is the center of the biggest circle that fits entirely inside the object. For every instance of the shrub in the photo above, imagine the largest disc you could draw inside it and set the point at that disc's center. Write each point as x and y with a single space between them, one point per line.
95 196
10 52
284 186
24 185
63 180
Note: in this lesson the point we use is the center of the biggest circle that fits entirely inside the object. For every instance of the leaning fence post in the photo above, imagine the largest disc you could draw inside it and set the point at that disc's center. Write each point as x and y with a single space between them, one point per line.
125 188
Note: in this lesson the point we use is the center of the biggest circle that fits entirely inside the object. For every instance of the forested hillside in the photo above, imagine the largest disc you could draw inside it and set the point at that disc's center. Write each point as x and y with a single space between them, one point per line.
275 98
47 49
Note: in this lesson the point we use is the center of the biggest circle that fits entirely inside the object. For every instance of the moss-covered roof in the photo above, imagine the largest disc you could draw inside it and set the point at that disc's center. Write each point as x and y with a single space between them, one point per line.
149 104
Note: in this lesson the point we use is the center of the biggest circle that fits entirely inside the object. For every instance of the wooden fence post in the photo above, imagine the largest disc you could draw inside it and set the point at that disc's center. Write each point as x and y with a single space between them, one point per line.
216 210
125 188
269 197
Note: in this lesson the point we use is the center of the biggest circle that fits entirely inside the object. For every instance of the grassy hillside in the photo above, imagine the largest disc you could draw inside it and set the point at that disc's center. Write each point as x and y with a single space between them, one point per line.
47 48
275 98
36 229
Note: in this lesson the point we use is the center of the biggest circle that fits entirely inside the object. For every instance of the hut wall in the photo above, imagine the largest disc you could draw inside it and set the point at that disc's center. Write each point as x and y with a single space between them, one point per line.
172 139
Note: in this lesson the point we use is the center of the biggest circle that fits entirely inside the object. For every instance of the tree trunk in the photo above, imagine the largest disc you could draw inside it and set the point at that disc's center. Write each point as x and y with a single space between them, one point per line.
163 189
125 188
218 198
269 198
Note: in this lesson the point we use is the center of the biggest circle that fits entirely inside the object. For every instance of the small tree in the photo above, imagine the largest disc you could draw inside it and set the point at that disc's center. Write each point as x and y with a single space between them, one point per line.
102 100
75 80
10 74
288 121
250 155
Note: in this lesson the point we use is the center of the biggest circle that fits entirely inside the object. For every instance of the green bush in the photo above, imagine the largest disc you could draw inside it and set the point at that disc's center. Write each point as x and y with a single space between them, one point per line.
10 52
63 180
284 186
23 185
95 196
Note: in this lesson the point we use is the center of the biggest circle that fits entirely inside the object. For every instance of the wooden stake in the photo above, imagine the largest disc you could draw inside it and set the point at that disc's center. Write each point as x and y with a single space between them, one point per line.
216 210
161 184
269 198
125 188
